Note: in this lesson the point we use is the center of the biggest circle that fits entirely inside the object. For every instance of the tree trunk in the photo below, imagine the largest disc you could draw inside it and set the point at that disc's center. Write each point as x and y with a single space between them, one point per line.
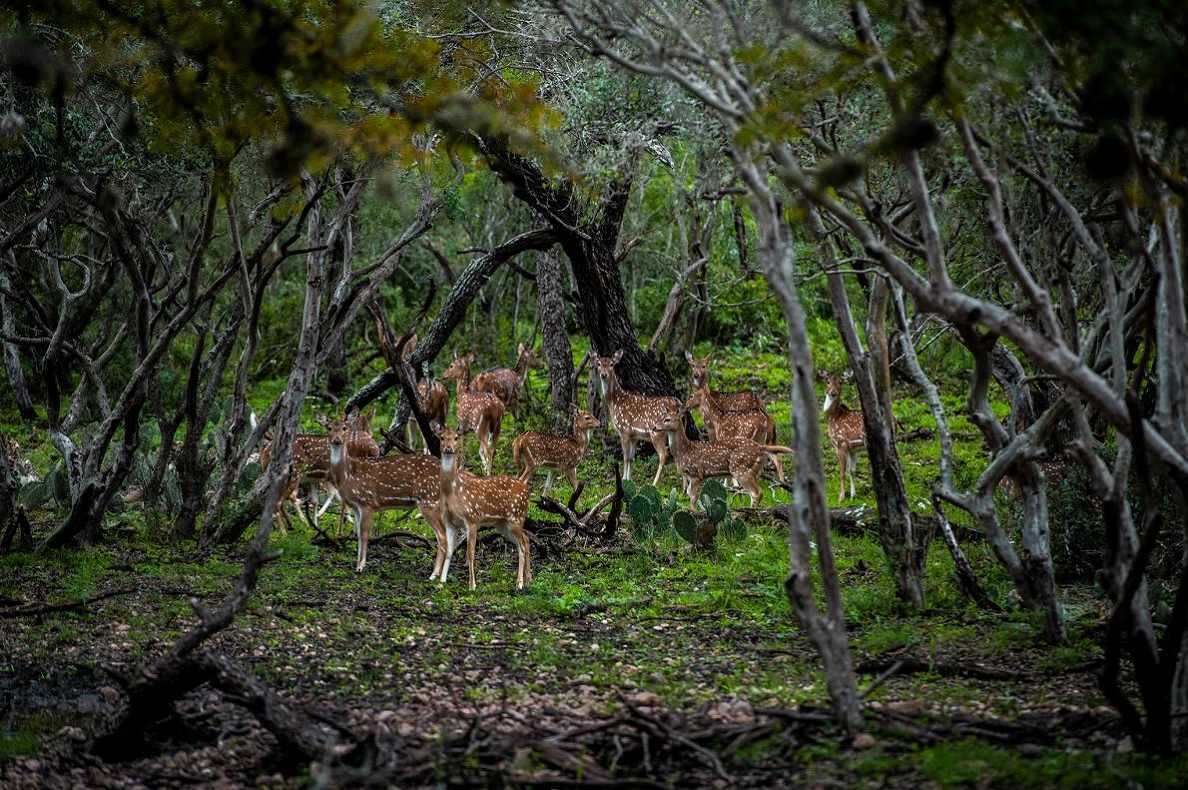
588 236
555 340
872 375
808 518
12 357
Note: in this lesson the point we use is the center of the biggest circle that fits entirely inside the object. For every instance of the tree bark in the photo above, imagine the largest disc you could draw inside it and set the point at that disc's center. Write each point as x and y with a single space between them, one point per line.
12 357
555 340
588 236
872 375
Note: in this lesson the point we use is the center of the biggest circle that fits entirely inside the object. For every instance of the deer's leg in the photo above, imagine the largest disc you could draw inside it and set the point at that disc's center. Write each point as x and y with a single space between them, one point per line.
432 515
851 462
694 491
548 481
628 445
524 576
842 456
660 443
484 437
752 486
358 537
471 542
368 515
451 535
572 473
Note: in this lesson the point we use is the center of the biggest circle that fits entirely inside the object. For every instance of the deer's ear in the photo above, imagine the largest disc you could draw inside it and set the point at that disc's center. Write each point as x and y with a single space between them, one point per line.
847 374
322 420
618 355
435 426
520 348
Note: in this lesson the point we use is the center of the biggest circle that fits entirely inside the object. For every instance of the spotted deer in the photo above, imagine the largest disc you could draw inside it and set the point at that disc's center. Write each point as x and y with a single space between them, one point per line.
724 401
634 416
845 430
480 412
754 425
508 384
368 485
738 459
533 450
309 466
434 400
469 501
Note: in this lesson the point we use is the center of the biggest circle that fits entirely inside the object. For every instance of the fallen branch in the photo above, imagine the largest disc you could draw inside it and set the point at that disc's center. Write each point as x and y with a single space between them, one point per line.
31 611
913 666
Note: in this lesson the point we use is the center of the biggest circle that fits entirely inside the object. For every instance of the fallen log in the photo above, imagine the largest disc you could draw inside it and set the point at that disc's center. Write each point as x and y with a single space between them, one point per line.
30 611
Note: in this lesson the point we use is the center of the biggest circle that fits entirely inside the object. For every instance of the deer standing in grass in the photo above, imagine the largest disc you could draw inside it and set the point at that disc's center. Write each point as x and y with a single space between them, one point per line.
724 401
468 501
533 450
634 416
368 485
507 384
757 426
309 466
480 412
738 459
845 430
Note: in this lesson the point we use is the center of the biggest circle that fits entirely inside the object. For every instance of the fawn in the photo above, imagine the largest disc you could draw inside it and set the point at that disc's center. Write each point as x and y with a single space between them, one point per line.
310 465
480 412
739 459
724 401
533 450
370 484
635 416
468 501
508 384
845 430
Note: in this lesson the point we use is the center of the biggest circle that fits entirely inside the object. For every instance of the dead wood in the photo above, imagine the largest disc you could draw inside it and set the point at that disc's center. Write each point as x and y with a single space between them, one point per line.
910 666
31 611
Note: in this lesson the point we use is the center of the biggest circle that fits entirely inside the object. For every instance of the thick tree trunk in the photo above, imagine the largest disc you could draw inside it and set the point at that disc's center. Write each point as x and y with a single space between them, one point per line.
555 340
588 236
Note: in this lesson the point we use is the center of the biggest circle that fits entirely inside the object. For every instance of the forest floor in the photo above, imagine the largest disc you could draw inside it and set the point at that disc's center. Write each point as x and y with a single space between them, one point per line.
655 664
630 664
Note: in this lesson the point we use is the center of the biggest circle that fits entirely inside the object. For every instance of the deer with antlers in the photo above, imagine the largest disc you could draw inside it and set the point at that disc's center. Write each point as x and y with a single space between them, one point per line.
480 412
368 485
635 417
845 430
507 384
738 459
532 450
468 501
309 466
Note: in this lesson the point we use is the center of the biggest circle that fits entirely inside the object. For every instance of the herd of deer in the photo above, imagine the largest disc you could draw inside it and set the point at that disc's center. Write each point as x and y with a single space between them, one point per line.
346 459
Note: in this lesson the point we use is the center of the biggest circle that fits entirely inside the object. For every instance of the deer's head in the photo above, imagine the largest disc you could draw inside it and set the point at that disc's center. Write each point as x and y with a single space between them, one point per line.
833 390
460 368
695 400
608 380
584 420
698 369
451 449
338 434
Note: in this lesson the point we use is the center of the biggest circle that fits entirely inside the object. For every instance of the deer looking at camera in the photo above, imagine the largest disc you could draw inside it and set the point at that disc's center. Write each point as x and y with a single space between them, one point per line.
469 501
723 401
738 459
634 416
532 450
309 465
508 384
845 430
367 485
480 412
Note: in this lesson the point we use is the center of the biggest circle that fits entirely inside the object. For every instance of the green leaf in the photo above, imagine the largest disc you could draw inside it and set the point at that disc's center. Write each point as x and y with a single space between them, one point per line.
716 510
685 525
713 489
733 530
641 509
